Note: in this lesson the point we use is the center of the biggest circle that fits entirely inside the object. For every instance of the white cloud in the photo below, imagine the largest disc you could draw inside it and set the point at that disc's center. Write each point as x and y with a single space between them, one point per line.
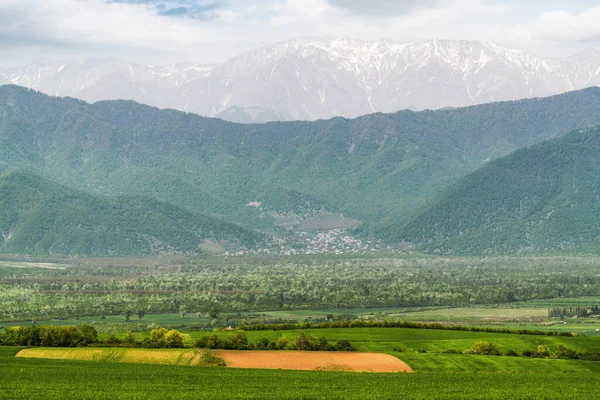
566 26
133 29
383 7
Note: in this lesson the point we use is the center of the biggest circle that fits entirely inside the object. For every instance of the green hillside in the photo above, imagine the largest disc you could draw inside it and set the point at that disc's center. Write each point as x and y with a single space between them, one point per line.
542 198
41 218
367 168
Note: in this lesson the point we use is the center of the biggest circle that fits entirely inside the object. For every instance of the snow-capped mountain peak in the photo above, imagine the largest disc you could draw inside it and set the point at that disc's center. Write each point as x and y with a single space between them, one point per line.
311 78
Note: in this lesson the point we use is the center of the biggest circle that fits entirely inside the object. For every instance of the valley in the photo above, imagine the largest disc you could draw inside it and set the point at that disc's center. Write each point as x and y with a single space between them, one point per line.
299 199
280 182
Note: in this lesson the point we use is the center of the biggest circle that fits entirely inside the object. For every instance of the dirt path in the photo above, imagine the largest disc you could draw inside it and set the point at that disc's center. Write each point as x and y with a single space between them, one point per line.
313 360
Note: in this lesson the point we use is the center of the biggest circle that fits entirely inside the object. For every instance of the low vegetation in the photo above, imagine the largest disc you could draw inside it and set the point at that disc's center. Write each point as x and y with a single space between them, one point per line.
49 336
239 341
85 335
211 360
219 292
398 324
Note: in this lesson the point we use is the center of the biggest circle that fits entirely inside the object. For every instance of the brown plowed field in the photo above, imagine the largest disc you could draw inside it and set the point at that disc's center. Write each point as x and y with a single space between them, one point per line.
313 360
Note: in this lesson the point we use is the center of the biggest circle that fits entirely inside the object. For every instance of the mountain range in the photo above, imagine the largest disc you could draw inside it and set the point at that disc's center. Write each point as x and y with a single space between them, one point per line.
378 169
542 198
321 78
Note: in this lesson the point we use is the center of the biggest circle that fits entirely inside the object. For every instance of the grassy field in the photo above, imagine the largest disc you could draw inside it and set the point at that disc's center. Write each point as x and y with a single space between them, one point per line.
427 350
527 315
473 313
51 379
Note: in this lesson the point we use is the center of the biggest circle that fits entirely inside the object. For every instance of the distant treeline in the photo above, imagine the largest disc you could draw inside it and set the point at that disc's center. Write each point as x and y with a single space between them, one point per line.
49 336
396 324
239 341
581 312
84 335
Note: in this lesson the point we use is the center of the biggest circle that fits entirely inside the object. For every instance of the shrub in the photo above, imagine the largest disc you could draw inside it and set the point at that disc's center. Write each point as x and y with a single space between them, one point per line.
451 351
174 339
211 360
161 338
543 351
484 348
528 353
344 345
262 344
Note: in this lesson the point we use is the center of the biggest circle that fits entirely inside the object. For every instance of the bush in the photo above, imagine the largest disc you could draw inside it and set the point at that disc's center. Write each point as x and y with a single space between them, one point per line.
162 339
344 345
451 351
210 360
528 353
174 339
262 344
543 351
484 348
511 353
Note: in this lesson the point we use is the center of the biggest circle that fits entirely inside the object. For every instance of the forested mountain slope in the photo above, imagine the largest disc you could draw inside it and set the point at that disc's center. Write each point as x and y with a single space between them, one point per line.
42 218
367 168
542 198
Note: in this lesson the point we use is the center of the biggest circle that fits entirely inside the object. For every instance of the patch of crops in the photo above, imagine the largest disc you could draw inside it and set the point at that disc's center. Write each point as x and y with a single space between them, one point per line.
52 379
144 356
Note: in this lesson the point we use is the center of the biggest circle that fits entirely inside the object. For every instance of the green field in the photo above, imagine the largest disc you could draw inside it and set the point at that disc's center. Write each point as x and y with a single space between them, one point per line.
51 379
527 315
437 344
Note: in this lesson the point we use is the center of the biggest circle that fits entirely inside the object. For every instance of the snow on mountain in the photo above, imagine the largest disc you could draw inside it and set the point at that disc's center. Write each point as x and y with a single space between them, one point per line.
312 78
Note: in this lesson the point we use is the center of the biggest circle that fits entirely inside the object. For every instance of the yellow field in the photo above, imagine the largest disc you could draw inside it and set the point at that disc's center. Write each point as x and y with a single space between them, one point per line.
187 357
293 360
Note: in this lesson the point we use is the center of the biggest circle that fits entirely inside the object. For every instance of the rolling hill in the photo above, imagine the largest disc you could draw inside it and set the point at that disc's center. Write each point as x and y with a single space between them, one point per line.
42 218
368 168
539 199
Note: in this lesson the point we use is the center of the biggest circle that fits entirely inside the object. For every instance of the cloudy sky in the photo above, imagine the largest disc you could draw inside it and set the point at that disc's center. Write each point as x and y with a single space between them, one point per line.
210 31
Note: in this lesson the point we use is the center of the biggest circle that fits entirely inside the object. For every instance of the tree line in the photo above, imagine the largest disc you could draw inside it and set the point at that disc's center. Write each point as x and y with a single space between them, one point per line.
85 335
239 341
254 284
396 324
580 312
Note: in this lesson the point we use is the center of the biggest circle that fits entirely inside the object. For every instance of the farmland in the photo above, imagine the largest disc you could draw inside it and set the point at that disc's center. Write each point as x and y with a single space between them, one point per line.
218 291
51 379
424 350
127 298
318 361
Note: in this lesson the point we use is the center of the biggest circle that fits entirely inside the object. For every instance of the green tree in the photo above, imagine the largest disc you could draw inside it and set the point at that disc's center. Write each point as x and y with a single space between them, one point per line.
173 339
